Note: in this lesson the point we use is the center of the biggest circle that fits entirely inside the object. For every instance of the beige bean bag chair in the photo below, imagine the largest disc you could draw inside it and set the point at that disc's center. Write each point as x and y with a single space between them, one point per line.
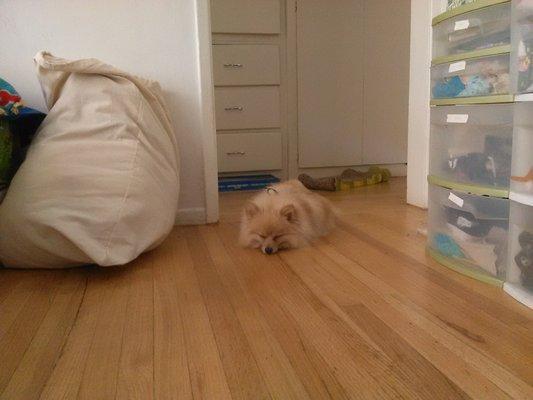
100 181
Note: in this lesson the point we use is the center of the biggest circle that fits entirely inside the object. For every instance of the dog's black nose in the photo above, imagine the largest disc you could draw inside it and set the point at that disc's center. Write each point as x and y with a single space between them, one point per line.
269 250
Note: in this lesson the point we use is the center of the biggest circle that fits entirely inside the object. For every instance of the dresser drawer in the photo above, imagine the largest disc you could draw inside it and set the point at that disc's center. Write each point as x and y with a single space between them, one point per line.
472 144
469 232
247 107
249 151
474 77
245 16
482 29
245 64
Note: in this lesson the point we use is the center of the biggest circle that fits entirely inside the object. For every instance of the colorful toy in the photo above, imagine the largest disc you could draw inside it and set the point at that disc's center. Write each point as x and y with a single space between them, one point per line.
526 178
448 87
523 183
10 101
17 126
347 180
476 85
471 85
447 246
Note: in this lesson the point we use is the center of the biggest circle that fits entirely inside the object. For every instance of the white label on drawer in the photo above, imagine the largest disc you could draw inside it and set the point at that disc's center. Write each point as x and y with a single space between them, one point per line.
462 222
457 118
456 199
460 25
457 66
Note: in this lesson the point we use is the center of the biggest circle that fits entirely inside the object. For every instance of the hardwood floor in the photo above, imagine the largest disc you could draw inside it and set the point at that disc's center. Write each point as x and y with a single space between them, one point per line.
363 314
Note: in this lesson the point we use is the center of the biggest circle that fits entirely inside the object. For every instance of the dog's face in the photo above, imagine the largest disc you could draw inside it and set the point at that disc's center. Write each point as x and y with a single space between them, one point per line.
271 230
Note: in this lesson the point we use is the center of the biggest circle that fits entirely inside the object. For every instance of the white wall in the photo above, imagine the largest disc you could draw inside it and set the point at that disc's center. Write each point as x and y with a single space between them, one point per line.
154 39
419 87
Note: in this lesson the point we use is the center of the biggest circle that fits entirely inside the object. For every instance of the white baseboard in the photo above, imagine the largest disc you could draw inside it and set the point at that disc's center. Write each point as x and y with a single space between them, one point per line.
191 216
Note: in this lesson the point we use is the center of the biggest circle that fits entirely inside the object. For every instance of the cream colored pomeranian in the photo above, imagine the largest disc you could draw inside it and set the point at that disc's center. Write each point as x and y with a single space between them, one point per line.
284 216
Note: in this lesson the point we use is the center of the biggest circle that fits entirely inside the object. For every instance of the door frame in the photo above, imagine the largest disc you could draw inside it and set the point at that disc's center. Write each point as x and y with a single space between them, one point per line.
419 98
207 111
292 88
418 128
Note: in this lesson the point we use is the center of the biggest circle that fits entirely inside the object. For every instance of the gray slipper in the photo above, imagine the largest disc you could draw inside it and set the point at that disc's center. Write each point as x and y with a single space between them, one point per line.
318 183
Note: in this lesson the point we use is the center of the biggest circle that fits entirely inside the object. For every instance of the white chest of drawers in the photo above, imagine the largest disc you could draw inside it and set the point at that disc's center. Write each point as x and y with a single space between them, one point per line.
247 77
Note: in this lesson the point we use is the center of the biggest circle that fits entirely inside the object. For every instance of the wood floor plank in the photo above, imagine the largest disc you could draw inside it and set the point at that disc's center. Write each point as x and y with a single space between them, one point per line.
279 374
100 375
425 379
354 281
206 370
171 370
242 373
475 373
319 274
19 335
35 366
469 323
136 367
15 299
10 281
351 361
402 235
66 376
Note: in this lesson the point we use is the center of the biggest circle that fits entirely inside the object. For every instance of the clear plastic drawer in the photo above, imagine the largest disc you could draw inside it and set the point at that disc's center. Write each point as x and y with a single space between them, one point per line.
485 76
473 31
472 144
469 233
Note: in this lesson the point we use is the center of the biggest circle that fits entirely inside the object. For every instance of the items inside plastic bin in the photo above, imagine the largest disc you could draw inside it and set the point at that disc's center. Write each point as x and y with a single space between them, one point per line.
524 259
490 168
491 78
476 237
496 33
524 26
457 3
476 30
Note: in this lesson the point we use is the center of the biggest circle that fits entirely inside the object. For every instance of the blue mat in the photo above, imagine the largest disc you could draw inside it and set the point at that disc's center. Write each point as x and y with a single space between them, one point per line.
246 182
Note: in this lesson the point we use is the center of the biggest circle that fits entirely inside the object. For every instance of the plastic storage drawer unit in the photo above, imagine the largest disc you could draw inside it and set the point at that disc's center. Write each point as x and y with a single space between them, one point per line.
474 31
520 266
522 46
522 167
469 233
476 77
472 144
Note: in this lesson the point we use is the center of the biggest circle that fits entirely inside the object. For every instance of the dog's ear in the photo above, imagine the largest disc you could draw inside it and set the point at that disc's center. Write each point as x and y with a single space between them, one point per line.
251 209
288 212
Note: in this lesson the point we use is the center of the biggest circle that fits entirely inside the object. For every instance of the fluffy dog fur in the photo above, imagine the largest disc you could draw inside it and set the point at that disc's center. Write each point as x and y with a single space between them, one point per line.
284 216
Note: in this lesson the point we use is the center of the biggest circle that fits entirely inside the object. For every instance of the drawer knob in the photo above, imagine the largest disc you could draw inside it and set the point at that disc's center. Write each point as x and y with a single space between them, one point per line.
234 108
231 65
236 153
